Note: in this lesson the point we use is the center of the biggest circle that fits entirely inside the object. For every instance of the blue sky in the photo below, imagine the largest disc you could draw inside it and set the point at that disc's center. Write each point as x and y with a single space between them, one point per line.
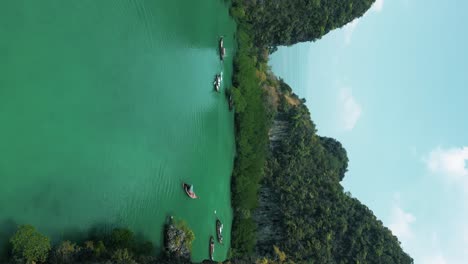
392 86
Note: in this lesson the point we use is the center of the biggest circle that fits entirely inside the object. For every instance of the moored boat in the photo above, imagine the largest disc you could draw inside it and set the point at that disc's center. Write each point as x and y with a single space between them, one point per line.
231 102
189 190
211 249
217 82
219 231
222 50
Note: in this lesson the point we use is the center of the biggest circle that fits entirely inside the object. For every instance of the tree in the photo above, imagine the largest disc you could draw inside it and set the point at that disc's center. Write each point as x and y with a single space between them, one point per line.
65 253
338 157
286 22
93 250
122 256
189 236
316 221
30 245
287 192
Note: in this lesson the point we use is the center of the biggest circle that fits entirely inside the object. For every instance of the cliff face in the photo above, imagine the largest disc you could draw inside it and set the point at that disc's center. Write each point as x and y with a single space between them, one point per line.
268 214
276 100
302 208
178 239
278 131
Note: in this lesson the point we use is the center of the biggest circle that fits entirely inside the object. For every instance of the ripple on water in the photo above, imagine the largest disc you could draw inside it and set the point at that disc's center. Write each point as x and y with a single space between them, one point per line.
108 106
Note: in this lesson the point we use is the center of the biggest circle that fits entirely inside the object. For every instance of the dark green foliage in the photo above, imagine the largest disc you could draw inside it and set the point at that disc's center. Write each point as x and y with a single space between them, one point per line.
93 250
286 22
64 253
29 245
244 236
319 222
338 159
122 256
252 121
120 246
303 209
121 238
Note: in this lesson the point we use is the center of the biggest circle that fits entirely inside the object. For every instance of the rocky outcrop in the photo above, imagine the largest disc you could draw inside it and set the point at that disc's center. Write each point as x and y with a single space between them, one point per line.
278 131
175 242
269 215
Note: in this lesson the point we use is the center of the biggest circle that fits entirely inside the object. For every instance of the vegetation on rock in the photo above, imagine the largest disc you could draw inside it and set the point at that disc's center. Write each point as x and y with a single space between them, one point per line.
286 191
286 22
178 240
252 121
308 214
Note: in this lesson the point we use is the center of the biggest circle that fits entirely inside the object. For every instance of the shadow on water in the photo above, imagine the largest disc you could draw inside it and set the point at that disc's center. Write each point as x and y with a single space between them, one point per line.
103 232
7 229
98 232
179 23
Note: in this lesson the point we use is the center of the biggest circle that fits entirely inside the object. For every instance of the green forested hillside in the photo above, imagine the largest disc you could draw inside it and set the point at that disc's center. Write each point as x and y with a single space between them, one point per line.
286 22
252 120
314 219
286 190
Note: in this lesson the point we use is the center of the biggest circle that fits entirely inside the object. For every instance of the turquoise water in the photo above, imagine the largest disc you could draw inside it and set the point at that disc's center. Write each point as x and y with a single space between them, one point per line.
106 107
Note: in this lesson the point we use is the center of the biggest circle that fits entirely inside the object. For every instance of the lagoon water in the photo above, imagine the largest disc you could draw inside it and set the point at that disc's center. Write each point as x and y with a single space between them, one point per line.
106 107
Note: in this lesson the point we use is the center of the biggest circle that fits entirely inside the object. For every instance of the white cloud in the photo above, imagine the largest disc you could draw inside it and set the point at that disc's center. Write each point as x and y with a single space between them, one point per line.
450 163
401 223
349 30
378 5
437 259
435 254
350 110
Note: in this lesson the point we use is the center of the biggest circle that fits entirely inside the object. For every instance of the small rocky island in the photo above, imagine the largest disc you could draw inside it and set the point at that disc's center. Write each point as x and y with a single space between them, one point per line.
178 239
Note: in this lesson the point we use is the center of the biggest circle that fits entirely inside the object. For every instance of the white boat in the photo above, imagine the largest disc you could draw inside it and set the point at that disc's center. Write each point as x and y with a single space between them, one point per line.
222 50
217 82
